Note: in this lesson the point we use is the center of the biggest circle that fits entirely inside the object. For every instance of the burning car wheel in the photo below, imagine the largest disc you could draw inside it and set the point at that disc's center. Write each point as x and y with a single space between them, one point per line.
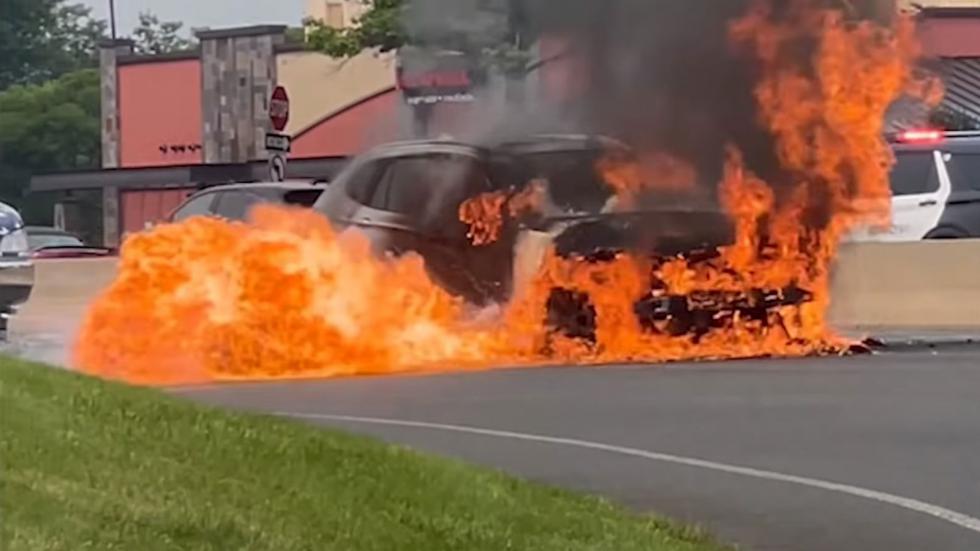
572 314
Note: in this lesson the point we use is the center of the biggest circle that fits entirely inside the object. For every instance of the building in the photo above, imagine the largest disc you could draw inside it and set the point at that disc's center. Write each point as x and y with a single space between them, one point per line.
951 40
176 121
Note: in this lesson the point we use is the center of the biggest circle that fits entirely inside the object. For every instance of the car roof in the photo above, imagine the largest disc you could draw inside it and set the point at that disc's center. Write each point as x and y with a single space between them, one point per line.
419 147
291 185
544 143
530 144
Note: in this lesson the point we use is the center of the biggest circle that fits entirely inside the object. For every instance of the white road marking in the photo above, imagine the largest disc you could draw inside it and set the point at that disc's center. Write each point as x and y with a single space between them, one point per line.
948 515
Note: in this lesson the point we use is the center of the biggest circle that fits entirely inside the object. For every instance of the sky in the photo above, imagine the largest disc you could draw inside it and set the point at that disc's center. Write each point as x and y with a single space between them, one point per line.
202 13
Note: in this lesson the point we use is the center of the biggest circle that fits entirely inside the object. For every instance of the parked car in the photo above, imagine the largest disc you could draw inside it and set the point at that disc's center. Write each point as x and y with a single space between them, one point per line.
16 267
44 242
935 186
234 201
406 197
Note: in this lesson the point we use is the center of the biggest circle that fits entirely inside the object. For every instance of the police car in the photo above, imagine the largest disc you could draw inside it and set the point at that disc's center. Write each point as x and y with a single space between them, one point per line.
935 188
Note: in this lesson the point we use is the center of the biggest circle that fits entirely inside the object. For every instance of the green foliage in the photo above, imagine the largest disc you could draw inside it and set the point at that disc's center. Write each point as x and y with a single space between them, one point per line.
24 26
47 127
76 38
380 27
43 39
154 37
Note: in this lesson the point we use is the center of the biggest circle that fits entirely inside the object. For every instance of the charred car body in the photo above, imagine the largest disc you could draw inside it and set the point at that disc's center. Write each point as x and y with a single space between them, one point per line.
406 197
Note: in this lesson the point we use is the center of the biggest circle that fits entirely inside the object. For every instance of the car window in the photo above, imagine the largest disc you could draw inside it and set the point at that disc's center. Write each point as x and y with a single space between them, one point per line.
574 182
362 182
914 173
198 206
235 205
51 240
428 186
302 197
964 170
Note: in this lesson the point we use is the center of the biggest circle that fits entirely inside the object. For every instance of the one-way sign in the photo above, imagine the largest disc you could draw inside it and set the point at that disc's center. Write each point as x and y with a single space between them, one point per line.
279 143
277 168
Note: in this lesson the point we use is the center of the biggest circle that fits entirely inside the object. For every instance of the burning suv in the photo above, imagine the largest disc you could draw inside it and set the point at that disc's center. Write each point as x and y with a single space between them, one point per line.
485 217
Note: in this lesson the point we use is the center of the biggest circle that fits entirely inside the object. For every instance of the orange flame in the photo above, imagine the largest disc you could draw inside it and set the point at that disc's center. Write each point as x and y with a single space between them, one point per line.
484 214
629 178
286 296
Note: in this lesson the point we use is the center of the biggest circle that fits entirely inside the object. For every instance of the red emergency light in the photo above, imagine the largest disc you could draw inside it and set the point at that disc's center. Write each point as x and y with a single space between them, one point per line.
920 136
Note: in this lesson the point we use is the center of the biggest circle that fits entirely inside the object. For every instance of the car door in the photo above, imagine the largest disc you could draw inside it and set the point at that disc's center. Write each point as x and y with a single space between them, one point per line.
920 190
411 204
921 187
432 193
961 218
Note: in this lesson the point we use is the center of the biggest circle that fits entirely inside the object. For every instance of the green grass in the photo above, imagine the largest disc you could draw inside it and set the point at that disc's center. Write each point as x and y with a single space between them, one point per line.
92 465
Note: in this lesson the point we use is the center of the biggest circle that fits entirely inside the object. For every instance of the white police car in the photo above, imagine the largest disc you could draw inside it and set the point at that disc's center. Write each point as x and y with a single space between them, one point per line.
935 188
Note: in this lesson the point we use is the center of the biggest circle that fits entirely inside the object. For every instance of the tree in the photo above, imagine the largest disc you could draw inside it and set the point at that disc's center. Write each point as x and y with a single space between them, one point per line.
76 37
380 27
43 39
488 31
48 127
154 37
24 27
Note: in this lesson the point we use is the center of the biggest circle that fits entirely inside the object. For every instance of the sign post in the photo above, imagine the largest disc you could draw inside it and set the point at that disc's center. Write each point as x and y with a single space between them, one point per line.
277 143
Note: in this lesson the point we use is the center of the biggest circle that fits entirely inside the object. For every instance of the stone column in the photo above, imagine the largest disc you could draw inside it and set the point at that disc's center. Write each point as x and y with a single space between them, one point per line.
109 53
238 75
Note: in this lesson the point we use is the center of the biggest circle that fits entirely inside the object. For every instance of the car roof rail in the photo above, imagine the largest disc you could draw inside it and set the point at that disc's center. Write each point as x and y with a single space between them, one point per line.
962 134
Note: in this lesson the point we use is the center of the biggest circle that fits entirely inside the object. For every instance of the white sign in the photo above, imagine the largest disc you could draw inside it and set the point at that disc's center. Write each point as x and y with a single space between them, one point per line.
280 143
277 168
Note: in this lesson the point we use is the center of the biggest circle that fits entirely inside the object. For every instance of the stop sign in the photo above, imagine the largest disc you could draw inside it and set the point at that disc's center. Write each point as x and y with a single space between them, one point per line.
279 109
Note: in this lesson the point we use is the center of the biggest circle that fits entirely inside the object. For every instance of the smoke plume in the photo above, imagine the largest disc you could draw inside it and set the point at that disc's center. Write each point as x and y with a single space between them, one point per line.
662 75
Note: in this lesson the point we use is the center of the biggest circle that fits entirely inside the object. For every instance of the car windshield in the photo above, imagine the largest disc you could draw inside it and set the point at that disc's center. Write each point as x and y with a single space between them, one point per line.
52 240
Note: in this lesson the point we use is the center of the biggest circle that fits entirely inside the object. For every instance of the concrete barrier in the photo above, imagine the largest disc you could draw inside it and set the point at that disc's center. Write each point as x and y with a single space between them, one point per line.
70 281
63 289
920 285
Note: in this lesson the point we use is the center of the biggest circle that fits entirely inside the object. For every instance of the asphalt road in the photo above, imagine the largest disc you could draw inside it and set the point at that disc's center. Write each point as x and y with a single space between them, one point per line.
868 453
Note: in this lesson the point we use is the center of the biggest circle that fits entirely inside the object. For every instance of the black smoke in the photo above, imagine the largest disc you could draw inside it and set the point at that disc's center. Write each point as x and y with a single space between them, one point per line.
662 74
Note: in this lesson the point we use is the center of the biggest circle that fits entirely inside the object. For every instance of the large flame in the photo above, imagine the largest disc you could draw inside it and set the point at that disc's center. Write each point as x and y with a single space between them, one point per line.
286 296
485 213
630 178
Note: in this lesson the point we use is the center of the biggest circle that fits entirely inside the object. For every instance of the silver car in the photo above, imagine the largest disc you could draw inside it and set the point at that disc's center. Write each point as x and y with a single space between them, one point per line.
16 267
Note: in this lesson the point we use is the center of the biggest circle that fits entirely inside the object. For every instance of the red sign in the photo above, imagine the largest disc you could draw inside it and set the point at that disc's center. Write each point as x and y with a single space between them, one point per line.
434 79
279 109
